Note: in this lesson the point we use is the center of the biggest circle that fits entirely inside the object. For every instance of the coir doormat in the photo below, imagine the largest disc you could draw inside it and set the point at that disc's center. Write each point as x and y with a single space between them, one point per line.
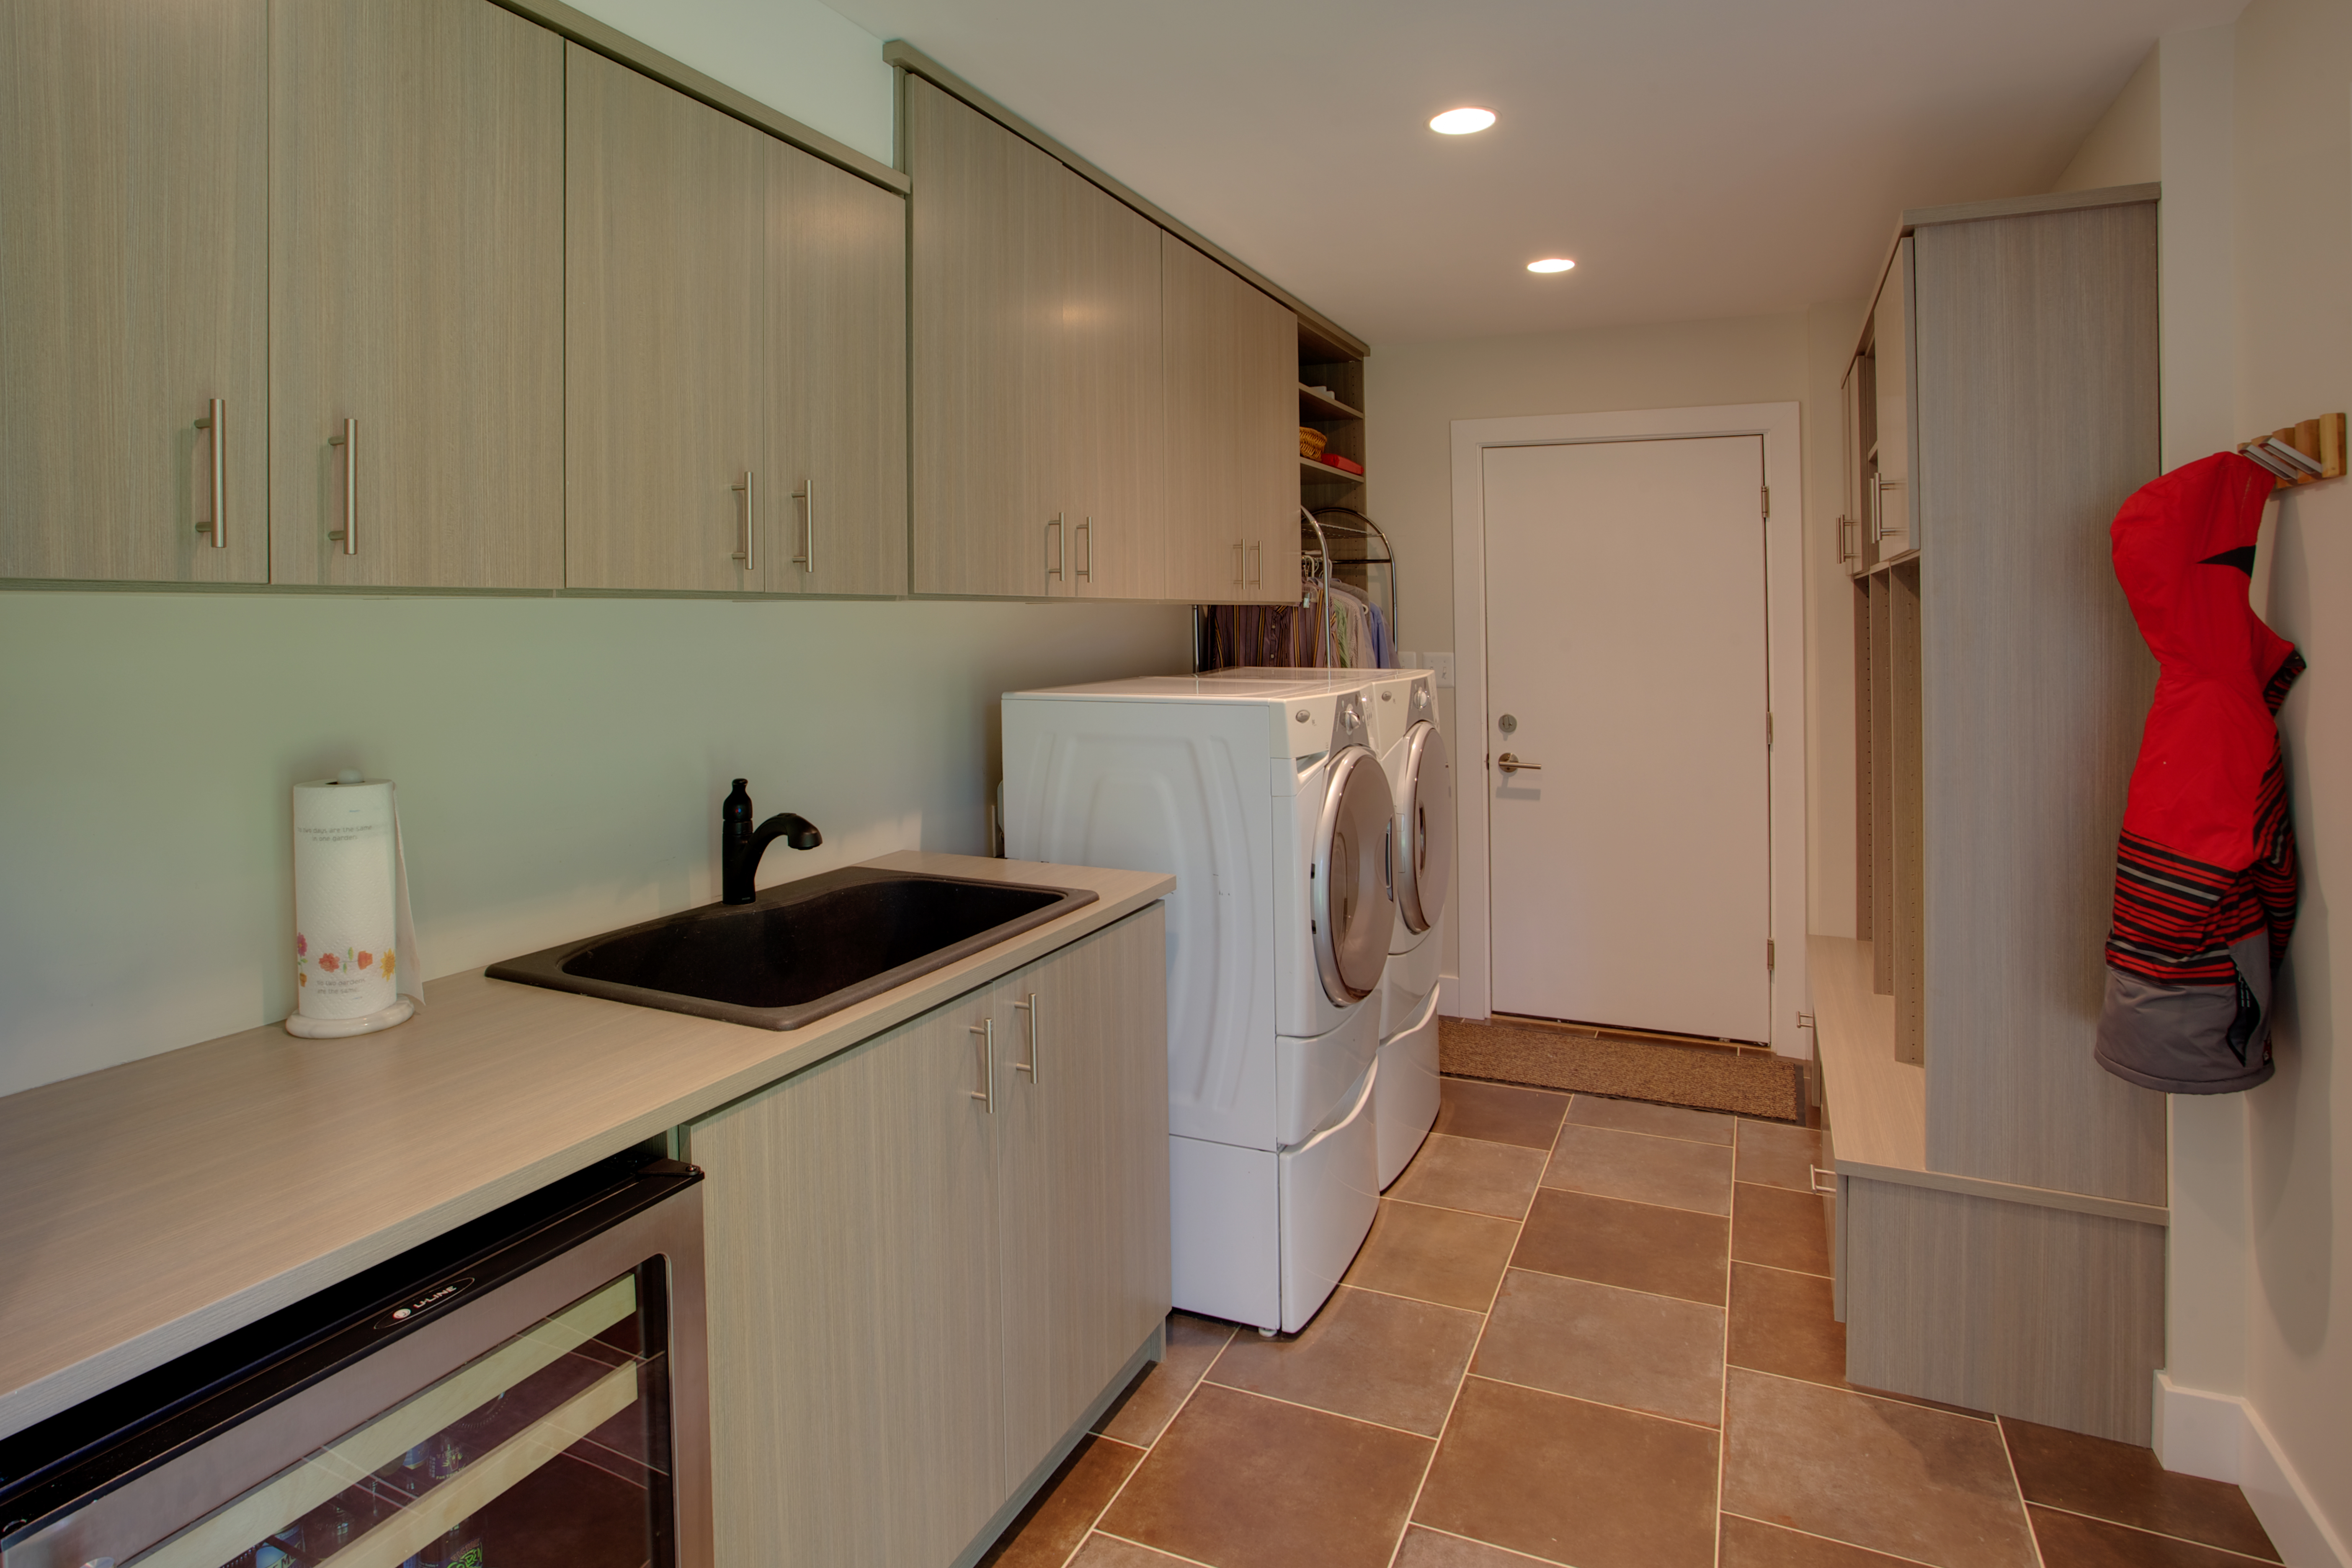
1624 1067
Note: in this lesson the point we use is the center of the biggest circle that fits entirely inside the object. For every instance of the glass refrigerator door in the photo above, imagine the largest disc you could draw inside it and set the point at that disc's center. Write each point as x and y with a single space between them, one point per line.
552 1448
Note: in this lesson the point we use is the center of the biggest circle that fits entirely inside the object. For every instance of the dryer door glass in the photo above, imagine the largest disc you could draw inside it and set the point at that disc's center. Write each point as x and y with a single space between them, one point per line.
1424 829
1355 907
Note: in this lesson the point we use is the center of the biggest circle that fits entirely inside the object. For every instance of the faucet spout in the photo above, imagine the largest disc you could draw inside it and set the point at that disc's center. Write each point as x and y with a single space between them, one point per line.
741 844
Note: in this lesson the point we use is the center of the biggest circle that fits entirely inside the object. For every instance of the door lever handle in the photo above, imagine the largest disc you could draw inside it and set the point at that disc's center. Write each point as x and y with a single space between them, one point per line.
1511 764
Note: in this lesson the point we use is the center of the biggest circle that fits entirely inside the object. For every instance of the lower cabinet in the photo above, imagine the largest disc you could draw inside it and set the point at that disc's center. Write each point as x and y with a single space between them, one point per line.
929 1254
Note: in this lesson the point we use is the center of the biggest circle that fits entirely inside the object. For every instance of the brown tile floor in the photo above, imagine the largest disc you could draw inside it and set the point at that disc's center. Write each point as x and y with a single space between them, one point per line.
1593 1332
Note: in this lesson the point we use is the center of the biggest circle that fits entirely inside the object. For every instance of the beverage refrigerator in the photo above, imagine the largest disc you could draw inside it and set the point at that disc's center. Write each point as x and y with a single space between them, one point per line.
527 1390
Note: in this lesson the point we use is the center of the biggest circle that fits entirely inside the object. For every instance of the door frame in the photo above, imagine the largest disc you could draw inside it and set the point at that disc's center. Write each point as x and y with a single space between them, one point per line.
1784 632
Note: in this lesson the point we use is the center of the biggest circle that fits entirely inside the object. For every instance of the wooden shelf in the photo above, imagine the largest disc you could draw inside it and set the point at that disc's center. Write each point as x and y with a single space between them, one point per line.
1312 472
1313 404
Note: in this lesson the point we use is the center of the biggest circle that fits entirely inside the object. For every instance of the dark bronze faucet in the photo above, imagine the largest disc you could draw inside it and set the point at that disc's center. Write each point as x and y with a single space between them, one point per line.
741 846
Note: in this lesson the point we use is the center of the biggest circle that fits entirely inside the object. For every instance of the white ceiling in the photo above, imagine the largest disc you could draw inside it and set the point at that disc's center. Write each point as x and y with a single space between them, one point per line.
1698 158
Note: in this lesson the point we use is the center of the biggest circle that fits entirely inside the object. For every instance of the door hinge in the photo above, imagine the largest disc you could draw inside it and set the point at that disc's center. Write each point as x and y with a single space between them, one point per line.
1767 502
1769 952
1768 729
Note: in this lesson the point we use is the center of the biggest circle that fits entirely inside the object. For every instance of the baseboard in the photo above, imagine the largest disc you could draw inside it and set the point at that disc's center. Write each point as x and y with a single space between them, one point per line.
2223 1439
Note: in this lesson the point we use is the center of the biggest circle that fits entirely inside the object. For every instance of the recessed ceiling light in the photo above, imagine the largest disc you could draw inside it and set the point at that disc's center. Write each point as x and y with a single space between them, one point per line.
1462 121
1551 264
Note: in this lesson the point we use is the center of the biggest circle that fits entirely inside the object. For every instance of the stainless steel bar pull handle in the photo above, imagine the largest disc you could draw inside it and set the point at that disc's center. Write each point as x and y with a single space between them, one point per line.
217 439
1086 572
350 442
986 1092
806 496
1053 537
1511 764
1829 1191
1844 554
1030 1007
748 554
1258 564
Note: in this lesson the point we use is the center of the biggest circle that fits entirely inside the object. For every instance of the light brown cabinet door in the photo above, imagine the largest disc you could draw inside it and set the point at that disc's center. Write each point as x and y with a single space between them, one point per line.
134 238
666 225
985 308
1082 1141
836 514
1112 400
417 296
850 1214
1231 358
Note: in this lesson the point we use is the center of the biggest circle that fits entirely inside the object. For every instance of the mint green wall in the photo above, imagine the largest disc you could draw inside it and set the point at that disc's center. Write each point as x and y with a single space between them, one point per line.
798 56
561 764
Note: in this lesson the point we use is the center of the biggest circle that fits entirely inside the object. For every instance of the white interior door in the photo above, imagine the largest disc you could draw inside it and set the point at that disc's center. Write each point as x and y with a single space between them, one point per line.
1626 660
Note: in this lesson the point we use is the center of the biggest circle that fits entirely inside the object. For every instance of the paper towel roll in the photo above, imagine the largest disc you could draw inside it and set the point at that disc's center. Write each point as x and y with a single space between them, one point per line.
354 946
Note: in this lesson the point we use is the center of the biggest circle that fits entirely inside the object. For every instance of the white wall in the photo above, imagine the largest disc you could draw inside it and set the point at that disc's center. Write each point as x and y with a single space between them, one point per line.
2292 163
2124 147
561 764
1414 392
802 57
2254 135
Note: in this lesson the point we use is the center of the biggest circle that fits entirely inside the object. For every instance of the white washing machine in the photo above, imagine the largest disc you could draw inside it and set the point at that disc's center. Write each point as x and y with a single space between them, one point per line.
1264 798
1401 708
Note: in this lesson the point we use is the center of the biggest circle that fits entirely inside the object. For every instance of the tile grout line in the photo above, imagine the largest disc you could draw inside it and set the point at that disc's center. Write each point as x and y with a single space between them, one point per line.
1486 1320
1723 1365
1834 1540
1319 1410
1522 1557
1883 1397
1136 1470
1596 1403
2143 1530
2008 1460
1140 1546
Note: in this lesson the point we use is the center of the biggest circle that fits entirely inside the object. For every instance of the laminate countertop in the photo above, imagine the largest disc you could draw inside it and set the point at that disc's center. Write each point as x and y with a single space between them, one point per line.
153 1206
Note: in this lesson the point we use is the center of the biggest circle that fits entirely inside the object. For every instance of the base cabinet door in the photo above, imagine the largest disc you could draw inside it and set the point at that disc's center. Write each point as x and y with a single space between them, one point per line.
666 220
133 289
930 1254
855 1342
417 296
1082 1174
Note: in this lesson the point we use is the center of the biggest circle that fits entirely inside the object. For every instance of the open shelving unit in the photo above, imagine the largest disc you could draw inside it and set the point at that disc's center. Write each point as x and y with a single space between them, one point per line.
1337 411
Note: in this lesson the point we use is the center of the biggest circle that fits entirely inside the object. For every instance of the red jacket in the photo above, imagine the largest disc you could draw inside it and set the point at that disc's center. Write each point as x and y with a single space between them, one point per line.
2205 873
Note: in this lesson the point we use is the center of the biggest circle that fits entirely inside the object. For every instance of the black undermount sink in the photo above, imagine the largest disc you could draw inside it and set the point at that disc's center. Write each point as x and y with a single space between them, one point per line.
799 952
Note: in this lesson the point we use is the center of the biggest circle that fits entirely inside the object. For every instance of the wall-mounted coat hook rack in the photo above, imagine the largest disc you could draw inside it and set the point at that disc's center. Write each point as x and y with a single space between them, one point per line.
2301 454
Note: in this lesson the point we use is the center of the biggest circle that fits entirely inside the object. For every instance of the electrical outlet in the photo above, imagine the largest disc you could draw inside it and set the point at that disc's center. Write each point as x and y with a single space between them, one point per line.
1443 663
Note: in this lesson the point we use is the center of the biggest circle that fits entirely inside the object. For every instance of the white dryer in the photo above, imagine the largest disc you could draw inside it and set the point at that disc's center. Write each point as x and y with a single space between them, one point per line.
1402 707
1265 800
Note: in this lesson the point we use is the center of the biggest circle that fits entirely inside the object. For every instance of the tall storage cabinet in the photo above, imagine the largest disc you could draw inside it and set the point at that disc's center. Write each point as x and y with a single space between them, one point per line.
134 164
930 1254
417 296
2001 687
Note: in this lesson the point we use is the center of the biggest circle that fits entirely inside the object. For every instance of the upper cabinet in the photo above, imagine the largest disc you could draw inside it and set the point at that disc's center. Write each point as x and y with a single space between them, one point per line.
1232 359
416 296
835 512
666 220
1893 503
984 300
1109 477
734 384
133 372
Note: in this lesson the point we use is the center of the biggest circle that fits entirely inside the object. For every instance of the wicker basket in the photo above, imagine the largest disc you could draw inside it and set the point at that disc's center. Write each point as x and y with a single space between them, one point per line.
1311 441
